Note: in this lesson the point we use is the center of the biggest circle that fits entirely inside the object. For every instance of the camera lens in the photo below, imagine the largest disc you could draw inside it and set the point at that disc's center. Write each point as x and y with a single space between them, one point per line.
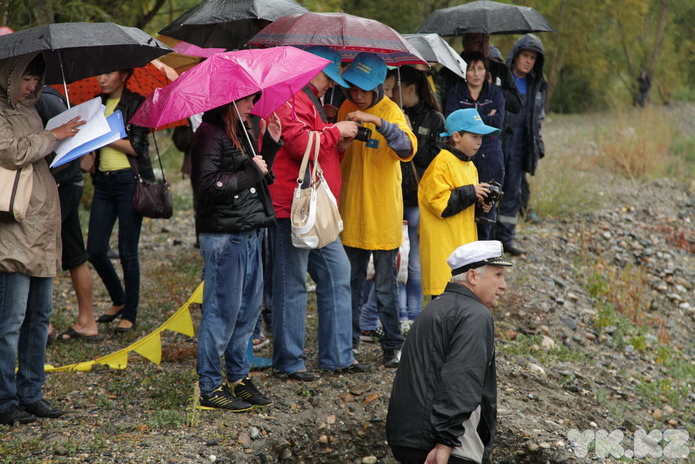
363 134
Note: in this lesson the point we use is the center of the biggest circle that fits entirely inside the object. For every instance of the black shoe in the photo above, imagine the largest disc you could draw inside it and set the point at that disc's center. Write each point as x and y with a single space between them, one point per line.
109 317
302 376
512 250
221 398
42 408
14 414
248 392
125 329
355 368
392 358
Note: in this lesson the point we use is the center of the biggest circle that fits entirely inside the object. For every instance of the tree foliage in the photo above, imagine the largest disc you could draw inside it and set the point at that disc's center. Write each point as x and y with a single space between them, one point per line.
594 59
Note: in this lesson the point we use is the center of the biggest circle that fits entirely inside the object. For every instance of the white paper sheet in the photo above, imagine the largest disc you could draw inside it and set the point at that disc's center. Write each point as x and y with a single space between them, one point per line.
91 111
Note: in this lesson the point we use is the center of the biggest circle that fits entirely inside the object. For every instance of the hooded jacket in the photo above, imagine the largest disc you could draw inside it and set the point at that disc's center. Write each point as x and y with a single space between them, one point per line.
32 246
231 191
445 390
371 200
534 107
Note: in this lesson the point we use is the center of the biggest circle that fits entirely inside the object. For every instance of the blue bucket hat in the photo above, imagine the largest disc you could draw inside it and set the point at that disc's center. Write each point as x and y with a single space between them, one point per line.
467 120
367 71
333 68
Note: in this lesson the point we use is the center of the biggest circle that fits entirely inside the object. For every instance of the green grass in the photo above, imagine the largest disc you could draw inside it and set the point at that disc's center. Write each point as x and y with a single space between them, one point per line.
565 181
527 345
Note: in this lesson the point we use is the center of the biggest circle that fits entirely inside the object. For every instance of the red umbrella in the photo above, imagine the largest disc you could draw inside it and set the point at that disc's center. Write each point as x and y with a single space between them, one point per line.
278 73
144 81
345 33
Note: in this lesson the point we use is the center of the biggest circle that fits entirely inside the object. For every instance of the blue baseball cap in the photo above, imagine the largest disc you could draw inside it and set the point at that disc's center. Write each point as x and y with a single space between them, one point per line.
333 68
467 120
367 71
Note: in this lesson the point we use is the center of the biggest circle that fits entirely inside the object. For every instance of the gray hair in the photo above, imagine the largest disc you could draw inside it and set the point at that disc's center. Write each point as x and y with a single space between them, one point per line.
463 277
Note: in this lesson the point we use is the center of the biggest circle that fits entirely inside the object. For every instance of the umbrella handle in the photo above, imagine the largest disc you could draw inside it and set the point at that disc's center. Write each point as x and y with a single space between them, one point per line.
65 85
248 139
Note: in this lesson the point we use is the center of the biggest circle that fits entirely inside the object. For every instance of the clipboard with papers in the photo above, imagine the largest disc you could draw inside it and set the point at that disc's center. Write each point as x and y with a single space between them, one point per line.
98 132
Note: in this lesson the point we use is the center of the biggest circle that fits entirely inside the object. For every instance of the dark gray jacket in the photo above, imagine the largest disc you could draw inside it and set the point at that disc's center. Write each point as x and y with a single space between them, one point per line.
534 107
446 380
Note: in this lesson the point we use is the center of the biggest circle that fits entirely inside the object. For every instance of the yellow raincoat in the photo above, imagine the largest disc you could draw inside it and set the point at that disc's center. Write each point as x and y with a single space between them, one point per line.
371 200
440 236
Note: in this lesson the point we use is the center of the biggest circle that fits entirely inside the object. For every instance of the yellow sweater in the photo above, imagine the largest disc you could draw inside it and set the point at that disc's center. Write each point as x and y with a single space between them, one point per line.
371 201
439 236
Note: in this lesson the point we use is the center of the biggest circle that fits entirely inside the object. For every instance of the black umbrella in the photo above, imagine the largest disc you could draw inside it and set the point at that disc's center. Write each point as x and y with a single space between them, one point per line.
228 23
74 51
486 17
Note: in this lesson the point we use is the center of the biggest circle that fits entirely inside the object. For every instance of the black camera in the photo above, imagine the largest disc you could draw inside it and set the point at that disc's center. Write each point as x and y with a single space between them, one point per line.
363 134
495 193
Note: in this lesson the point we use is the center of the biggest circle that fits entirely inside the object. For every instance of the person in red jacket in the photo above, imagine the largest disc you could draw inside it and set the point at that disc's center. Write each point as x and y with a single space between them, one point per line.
328 266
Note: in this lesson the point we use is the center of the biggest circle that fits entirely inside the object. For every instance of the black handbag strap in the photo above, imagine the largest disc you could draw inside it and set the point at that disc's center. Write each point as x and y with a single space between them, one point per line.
134 162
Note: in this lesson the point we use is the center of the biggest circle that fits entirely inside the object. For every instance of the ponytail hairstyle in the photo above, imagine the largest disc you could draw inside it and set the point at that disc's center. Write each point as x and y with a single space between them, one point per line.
423 89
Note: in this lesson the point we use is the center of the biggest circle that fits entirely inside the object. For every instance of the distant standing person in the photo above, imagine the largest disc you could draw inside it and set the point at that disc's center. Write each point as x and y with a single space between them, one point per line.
443 406
645 84
522 141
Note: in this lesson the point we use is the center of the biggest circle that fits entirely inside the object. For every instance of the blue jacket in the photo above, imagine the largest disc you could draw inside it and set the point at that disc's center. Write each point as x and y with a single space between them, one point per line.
533 148
489 160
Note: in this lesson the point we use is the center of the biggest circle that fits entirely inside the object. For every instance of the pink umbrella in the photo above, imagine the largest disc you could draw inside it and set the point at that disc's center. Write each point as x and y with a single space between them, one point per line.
185 48
278 72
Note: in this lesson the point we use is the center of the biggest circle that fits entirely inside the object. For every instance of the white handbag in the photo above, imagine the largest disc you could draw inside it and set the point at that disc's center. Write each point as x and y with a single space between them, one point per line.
314 217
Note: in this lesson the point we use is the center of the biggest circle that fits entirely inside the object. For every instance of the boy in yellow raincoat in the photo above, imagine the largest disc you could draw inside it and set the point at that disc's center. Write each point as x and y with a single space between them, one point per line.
447 195
371 200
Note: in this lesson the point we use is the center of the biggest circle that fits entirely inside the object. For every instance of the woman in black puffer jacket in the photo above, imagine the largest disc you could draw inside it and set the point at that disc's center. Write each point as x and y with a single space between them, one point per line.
232 207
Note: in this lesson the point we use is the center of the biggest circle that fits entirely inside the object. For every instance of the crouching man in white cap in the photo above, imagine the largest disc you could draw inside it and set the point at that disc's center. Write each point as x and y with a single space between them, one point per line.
443 406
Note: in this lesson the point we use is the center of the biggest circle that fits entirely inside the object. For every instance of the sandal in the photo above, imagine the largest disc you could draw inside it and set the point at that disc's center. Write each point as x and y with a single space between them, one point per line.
260 342
72 334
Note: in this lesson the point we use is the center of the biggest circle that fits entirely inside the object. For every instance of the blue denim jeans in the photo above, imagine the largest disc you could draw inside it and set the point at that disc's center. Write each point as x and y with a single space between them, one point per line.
386 289
411 293
113 200
25 312
330 269
233 276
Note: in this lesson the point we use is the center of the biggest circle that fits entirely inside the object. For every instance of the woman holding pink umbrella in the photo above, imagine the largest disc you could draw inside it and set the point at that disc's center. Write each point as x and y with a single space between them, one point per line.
233 206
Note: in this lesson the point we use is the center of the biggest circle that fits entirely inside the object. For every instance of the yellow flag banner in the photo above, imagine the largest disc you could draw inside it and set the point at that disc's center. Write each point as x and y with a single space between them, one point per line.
150 346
